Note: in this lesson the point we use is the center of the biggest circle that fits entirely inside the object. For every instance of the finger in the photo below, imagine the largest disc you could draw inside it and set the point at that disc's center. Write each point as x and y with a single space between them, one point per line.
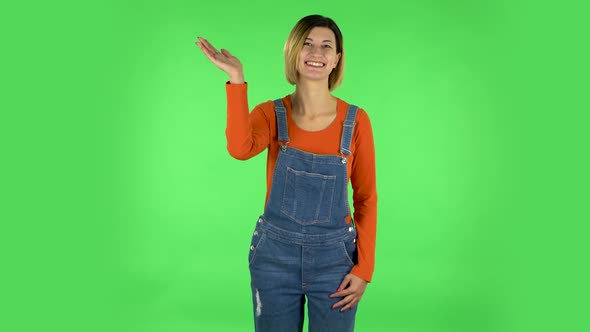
200 43
344 302
342 288
348 291
352 301
205 47
226 53
339 304
208 45
349 305
345 282
208 54
216 58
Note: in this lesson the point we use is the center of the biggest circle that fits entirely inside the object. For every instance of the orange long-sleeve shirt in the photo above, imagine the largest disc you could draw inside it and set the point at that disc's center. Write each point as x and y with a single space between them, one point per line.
248 134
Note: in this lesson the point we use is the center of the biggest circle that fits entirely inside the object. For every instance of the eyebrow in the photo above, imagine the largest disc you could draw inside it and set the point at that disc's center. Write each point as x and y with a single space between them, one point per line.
324 41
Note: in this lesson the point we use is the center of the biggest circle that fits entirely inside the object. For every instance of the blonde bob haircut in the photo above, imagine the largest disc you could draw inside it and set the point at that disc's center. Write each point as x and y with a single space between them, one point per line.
295 41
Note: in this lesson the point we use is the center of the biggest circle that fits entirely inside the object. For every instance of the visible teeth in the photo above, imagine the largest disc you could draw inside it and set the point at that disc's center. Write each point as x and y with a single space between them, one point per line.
315 64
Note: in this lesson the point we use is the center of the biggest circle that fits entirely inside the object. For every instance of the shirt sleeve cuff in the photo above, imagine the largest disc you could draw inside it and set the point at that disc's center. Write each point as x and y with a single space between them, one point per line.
236 84
361 274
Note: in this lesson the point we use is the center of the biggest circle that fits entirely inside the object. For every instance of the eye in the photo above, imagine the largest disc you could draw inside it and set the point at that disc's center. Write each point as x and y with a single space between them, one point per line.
326 46
307 44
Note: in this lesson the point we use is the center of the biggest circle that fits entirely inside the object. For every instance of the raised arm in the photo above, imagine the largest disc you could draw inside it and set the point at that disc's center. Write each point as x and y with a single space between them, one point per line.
247 133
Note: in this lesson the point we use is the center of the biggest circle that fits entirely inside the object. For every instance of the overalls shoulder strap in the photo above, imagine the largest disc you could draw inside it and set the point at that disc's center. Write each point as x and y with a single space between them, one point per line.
281 114
347 130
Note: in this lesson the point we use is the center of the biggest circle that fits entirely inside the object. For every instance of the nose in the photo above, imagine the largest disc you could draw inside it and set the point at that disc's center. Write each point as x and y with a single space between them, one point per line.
316 50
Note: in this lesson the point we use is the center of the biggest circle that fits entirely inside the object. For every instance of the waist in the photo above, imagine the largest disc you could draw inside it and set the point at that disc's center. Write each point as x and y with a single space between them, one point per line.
325 237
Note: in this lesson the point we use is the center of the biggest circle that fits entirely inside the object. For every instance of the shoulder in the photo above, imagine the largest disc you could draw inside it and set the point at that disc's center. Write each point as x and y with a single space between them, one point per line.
361 114
268 107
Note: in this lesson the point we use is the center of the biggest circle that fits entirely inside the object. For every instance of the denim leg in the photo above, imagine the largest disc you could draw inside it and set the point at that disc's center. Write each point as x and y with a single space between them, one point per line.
277 297
324 270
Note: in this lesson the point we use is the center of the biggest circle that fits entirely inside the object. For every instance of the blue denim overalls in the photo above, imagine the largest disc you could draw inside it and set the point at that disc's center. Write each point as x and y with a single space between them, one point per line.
302 246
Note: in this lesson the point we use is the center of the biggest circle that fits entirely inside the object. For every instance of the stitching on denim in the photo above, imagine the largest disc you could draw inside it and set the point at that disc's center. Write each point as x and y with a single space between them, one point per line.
348 258
323 162
256 247
290 212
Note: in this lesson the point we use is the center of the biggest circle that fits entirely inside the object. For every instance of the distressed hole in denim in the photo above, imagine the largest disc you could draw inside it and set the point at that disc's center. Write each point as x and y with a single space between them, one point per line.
258 304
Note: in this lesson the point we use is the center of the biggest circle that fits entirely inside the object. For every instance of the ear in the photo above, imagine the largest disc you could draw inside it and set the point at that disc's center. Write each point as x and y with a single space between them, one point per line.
337 60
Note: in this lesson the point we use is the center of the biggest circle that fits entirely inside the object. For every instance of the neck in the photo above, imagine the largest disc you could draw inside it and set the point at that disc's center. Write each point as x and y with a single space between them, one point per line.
311 96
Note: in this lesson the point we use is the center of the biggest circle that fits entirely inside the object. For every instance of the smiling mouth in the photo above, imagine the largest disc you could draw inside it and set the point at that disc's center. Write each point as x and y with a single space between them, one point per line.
315 64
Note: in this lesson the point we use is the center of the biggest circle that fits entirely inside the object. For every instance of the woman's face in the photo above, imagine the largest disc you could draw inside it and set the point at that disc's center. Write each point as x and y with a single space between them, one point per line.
318 56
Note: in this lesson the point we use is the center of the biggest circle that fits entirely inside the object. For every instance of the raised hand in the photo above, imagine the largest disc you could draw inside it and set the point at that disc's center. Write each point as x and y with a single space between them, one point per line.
223 60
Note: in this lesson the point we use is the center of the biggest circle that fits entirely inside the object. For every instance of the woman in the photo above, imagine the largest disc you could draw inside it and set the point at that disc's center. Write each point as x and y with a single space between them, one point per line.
305 245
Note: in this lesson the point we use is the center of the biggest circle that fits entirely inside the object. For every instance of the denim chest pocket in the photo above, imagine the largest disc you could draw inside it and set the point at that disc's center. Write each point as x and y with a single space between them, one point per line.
307 197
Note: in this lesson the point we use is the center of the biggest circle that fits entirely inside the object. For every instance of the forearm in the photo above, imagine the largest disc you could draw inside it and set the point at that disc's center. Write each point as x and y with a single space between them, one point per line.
363 178
244 131
365 217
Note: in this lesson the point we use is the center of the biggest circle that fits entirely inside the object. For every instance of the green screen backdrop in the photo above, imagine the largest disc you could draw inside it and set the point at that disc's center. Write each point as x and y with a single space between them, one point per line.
135 218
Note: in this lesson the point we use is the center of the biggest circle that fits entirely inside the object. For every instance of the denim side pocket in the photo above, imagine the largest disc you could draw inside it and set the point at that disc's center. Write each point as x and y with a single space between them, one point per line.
255 245
349 250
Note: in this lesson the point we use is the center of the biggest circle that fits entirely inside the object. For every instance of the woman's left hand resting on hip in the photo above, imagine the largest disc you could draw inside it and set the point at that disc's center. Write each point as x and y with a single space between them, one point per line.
351 290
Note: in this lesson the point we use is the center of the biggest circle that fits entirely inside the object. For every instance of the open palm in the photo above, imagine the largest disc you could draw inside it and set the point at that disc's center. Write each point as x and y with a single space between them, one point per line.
224 60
